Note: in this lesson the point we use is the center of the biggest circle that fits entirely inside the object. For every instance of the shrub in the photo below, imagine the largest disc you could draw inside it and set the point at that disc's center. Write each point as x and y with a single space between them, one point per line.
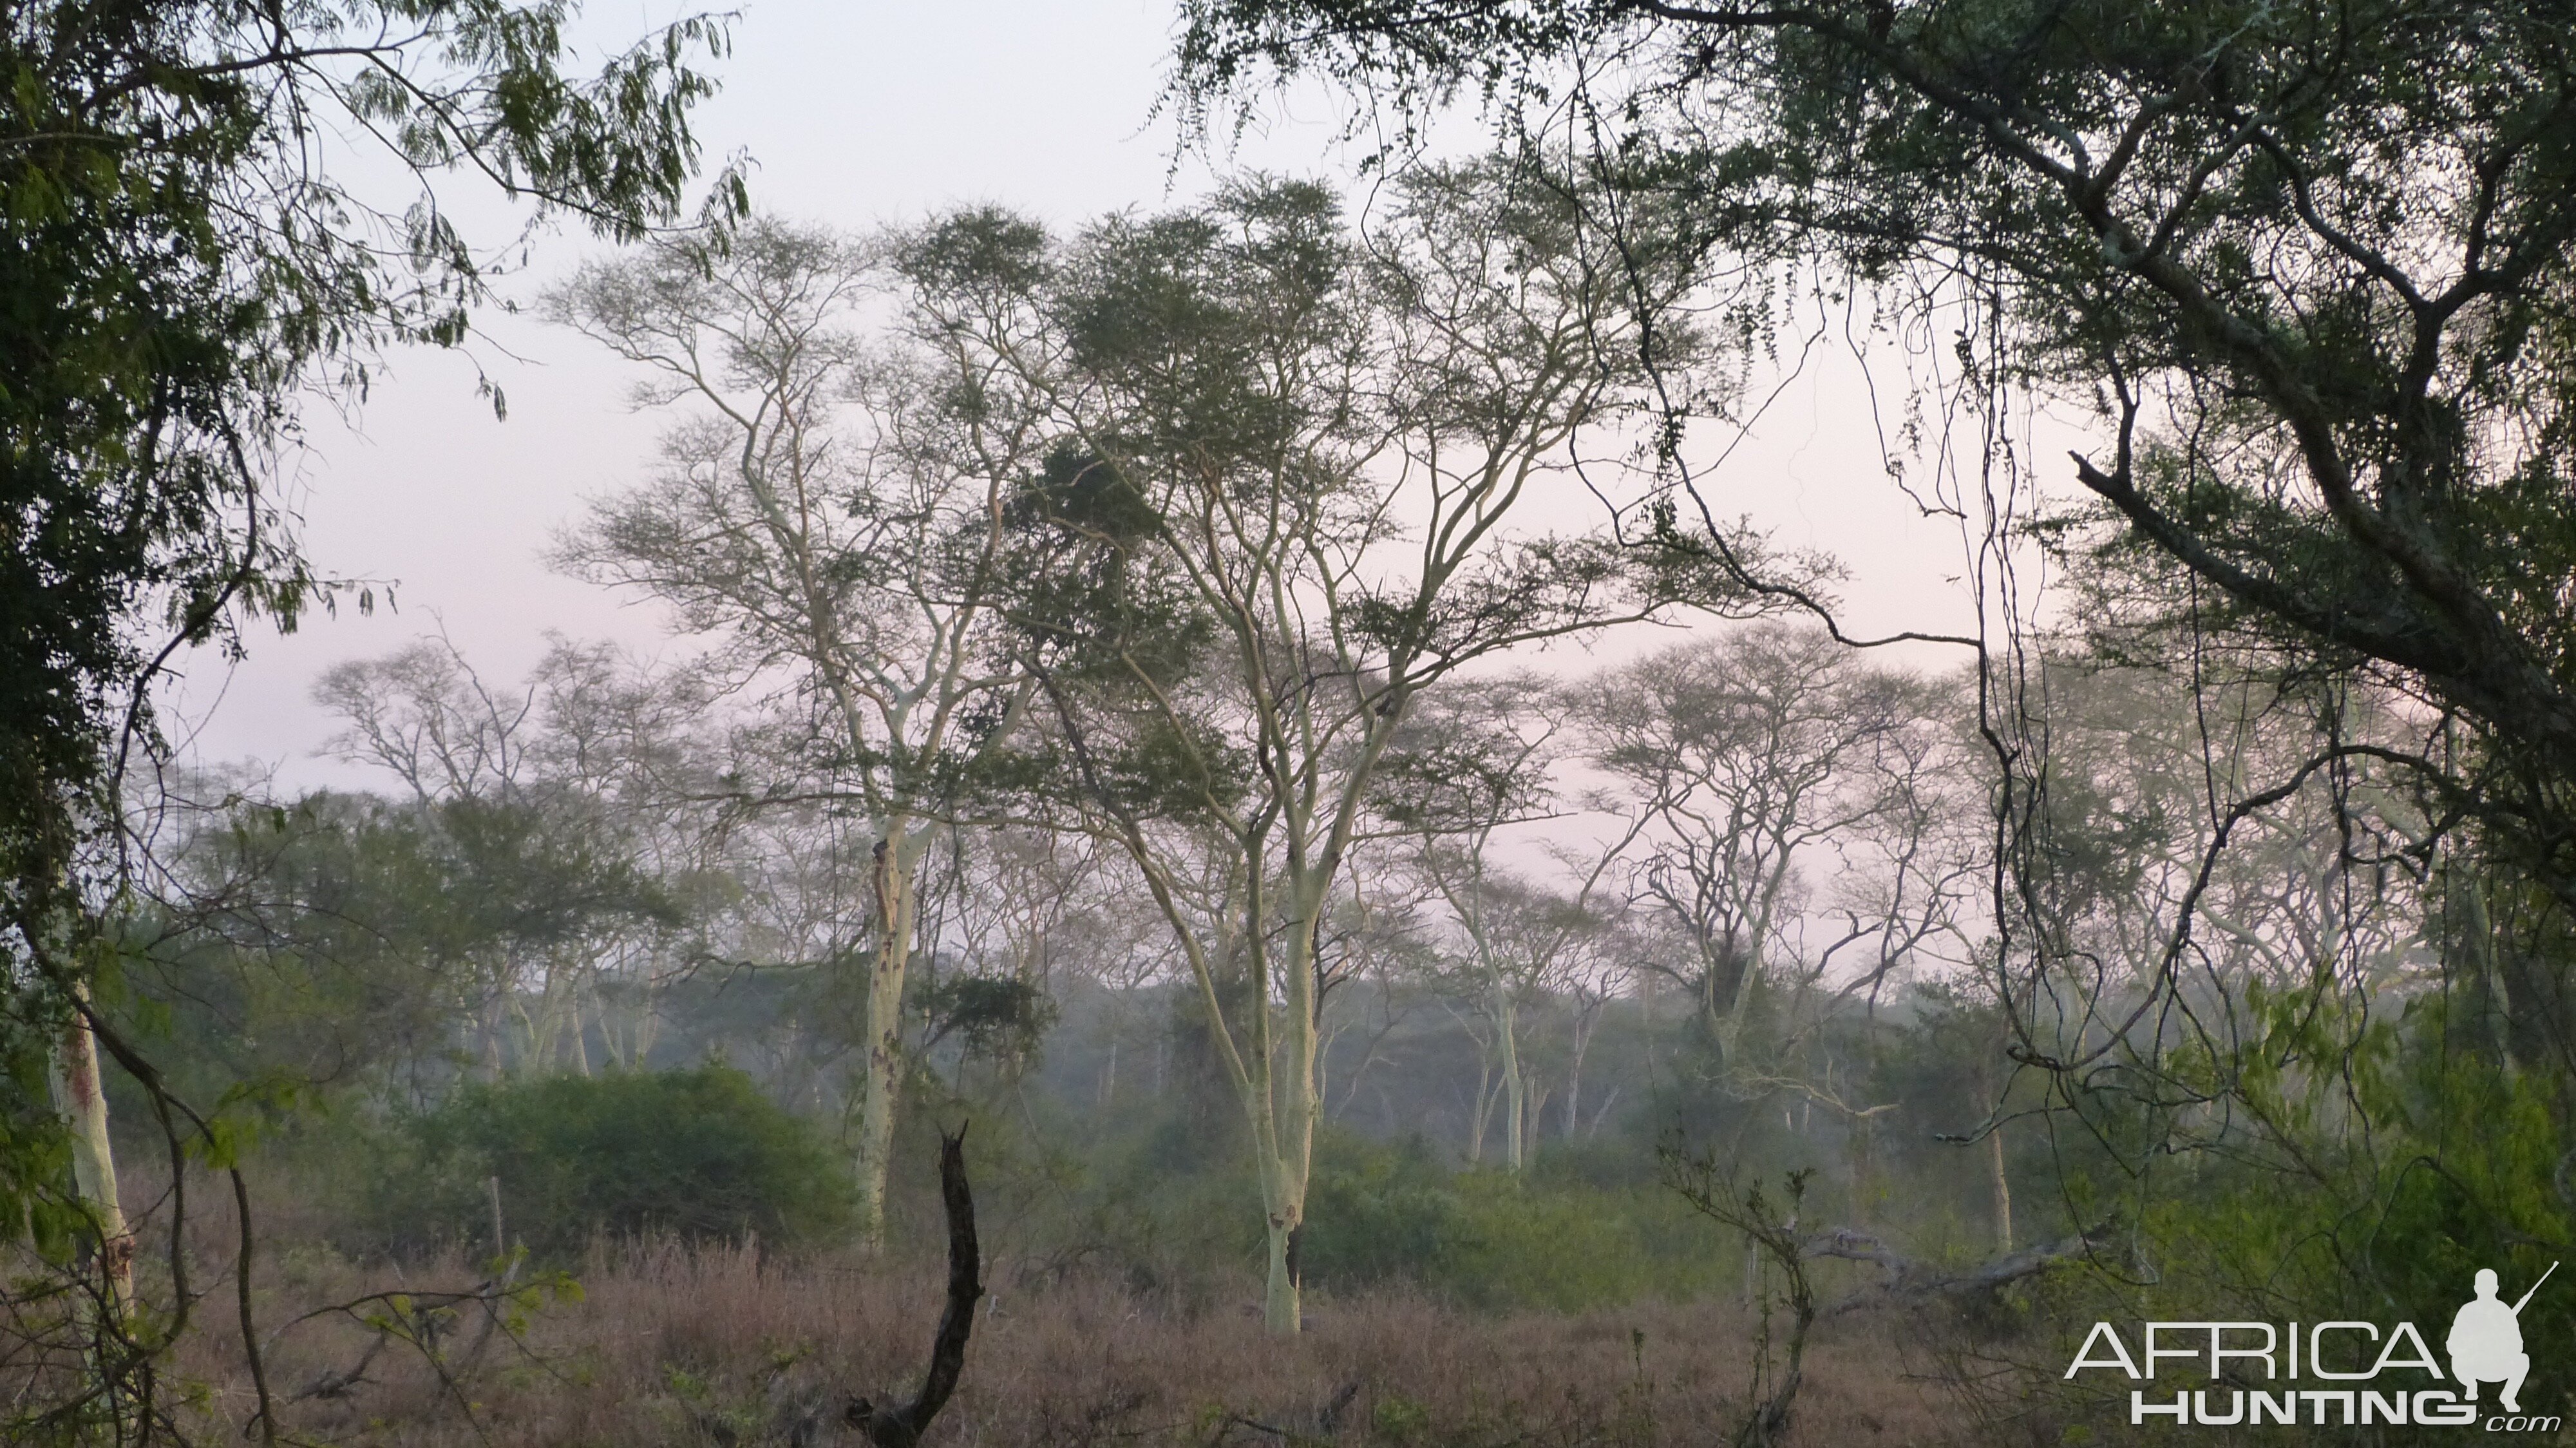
1522 1244
1378 1212
698 1153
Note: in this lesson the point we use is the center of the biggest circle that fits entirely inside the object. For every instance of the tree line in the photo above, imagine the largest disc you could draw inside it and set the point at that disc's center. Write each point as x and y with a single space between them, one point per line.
1179 576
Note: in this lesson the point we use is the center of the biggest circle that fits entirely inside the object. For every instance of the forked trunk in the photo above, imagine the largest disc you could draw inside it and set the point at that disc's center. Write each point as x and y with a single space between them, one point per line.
1281 1309
1480 1111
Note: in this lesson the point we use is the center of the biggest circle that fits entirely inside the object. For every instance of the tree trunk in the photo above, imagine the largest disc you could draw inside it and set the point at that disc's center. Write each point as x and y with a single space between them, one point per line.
1277 1081
496 1023
648 1029
1583 1028
1601 1115
1282 1312
1864 1168
1482 1111
1999 1185
580 1040
2002 1189
1293 1134
901 1425
881 1078
78 1094
1506 1030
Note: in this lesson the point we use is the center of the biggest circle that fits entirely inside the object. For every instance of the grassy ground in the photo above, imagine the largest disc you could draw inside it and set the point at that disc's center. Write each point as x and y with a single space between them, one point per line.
679 1347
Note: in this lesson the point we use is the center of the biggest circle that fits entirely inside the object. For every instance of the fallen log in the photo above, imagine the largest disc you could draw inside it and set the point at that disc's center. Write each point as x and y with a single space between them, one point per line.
1908 1280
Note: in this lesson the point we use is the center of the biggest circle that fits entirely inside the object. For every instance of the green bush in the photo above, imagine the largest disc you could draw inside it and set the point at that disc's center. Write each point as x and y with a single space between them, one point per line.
1378 1213
1385 1213
1525 1244
698 1153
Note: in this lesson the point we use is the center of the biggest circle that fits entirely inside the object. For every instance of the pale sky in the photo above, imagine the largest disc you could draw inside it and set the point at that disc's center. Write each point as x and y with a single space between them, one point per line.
861 115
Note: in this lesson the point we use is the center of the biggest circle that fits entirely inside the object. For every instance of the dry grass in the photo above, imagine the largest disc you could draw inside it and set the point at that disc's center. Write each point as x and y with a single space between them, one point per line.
673 1346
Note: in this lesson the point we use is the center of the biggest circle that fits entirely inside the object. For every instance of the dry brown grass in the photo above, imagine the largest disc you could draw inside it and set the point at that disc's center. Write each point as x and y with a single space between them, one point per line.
687 1347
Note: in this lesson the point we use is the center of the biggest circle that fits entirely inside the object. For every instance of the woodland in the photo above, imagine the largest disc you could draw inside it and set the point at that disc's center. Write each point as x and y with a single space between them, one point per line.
1243 841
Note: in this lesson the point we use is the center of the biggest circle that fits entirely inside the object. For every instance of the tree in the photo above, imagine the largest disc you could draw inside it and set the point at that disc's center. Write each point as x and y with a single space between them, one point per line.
2307 886
1479 763
637 748
829 513
1744 756
180 269
344 940
1281 509
554 819
177 269
1806 831
1525 944
1006 910
2356 212
2307 267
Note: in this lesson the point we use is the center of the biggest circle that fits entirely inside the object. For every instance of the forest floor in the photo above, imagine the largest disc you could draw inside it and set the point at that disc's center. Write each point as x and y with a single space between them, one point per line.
719 1346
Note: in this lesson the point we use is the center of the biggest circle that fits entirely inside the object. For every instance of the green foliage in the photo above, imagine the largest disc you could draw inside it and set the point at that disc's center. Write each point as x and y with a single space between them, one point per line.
2297 211
177 271
1392 1213
2387 1164
698 1153
993 1017
337 940
1399 1420
1155 1199
1377 1213
2308 266
1096 610
174 267
35 1156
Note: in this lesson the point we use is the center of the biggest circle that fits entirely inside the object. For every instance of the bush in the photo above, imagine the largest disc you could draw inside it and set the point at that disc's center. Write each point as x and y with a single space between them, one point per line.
1393 1213
1378 1213
698 1153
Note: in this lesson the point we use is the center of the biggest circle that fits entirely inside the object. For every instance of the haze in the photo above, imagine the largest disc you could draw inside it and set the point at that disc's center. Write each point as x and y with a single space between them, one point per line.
865 115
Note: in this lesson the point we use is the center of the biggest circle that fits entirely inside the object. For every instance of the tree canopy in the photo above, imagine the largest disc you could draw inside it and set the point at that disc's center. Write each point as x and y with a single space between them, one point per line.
183 257
2300 275
2307 265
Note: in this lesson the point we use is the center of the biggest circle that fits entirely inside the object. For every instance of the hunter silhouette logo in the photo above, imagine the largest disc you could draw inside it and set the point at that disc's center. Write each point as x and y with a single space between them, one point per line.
2486 1341
2365 1373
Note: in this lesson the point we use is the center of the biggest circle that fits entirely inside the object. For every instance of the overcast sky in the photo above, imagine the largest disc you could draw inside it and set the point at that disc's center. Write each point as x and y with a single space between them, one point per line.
860 115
